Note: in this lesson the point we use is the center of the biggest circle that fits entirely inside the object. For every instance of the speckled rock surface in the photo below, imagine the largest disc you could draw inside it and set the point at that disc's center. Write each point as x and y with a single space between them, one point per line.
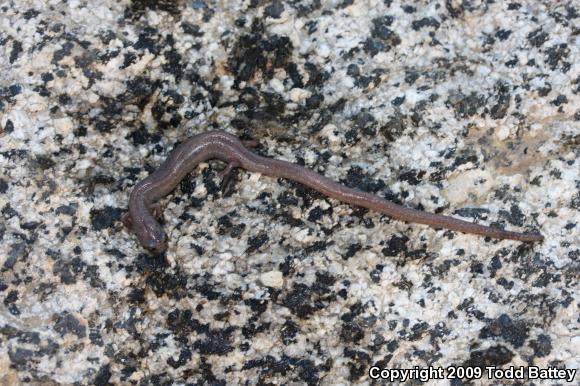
467 108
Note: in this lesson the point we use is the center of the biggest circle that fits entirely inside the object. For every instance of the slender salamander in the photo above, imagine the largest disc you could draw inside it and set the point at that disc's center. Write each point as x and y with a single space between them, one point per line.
143 207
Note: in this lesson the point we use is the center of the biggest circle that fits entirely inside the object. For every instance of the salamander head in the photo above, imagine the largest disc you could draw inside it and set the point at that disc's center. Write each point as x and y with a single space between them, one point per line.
152 237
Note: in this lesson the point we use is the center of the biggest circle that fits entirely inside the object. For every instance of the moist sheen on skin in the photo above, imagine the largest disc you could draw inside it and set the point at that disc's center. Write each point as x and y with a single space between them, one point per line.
228 148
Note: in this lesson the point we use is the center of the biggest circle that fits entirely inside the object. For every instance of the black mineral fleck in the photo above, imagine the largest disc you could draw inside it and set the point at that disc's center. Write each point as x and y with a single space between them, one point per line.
513 331
105 217
66 323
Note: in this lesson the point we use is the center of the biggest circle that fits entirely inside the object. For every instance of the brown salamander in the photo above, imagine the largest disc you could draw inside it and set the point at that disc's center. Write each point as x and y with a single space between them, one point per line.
199 148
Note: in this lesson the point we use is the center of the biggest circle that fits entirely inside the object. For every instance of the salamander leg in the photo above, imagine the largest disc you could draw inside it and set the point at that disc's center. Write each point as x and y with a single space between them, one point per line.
226 175
156 210
126 220
250 143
